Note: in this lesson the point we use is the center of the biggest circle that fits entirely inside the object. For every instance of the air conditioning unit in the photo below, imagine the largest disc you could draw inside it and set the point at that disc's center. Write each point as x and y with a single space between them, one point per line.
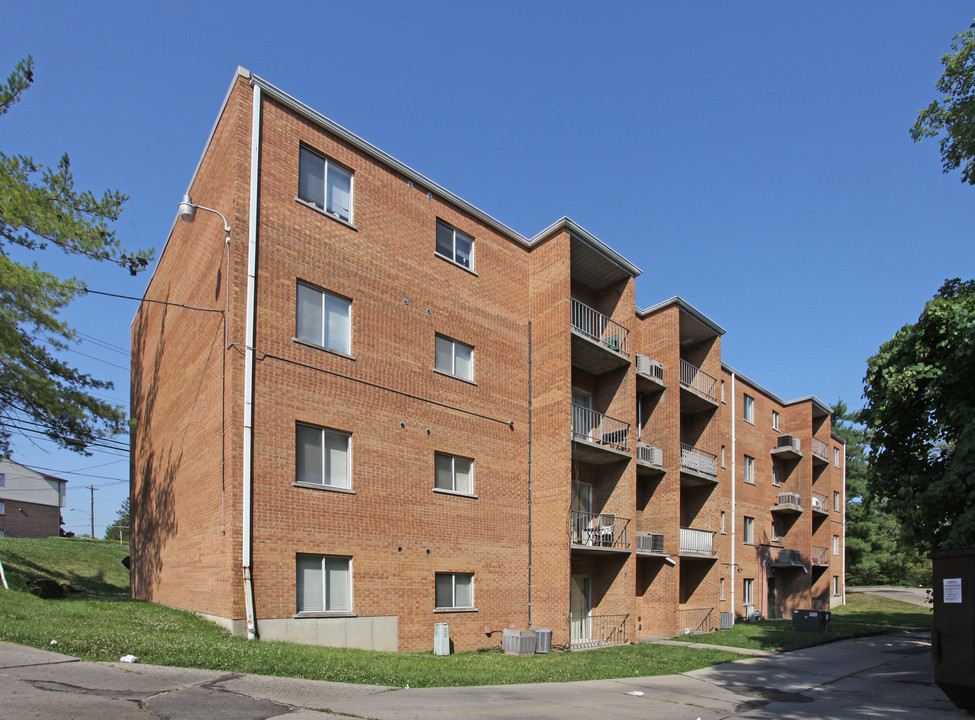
650 454
650 542
727 620
518 642
441 639
789 441
648 367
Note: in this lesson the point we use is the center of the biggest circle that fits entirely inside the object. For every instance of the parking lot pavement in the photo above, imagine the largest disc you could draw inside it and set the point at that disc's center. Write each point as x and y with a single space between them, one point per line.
882 676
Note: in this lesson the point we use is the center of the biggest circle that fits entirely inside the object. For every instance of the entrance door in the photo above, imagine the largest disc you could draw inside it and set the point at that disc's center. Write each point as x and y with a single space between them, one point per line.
580 608
772 613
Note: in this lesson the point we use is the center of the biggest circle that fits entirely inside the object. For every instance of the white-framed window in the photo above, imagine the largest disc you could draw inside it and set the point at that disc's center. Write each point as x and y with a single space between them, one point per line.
836 585
325 184
323 456
322 318
836 456
455 245
722 522
454 473
749 534
721 597
749 469
749 409
776 475
836 544
836 500
776 530
454 358
747 591
775 420
454 591
722 456
323 583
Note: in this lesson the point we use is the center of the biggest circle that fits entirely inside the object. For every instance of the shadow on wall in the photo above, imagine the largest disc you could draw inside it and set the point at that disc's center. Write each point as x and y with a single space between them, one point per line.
153 502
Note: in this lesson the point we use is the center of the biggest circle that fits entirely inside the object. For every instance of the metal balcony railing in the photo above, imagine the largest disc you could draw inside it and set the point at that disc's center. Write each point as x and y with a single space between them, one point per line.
820 503
819 555
598 428
599 529
820 449
696 620
697 460
593 631
785 556
598 327
788 498
696 379
696 542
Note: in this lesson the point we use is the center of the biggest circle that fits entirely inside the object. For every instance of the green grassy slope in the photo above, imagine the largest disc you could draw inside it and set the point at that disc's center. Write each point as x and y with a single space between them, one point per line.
94 565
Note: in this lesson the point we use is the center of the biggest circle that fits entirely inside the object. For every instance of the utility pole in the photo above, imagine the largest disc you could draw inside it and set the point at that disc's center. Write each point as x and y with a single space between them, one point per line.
92 488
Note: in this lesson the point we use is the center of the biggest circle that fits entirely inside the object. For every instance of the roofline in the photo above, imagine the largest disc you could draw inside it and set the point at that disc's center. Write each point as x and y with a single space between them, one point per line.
28 467
686 307
837 438
583 235
808 398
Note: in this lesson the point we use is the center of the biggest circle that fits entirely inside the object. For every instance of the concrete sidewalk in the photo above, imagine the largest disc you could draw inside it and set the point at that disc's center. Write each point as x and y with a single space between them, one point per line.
887 676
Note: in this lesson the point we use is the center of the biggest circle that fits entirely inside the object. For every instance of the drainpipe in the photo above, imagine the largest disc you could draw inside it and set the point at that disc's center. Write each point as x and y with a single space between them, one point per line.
248 468
734 524
843 528
530 473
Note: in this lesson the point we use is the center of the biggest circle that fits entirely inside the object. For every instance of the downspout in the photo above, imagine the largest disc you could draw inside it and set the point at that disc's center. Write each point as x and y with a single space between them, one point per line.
529 473
248 471
843 531
734 483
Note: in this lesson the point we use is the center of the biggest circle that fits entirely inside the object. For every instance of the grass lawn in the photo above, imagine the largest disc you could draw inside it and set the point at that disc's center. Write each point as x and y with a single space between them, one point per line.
862 613
103 624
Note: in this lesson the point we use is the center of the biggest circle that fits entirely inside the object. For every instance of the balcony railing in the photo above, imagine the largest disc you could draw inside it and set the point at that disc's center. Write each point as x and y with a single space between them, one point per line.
601 429
699 461
696 620
696 379
820 503
819 555
782 557
598 327
593 631
788 498
696 542
820 449
599 529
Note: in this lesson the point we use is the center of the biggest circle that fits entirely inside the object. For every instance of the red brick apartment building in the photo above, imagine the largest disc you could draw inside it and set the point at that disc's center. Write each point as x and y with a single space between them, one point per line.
378 408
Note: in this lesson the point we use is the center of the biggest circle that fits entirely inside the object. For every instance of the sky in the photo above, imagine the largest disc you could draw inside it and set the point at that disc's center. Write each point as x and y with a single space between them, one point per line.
753 158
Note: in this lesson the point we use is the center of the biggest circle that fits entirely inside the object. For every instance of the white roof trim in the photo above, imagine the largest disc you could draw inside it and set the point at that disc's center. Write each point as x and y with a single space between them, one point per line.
808 398
689 309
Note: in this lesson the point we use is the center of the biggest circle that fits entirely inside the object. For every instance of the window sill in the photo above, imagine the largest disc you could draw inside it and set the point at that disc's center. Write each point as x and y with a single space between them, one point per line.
327 214
327 488
444 491
456 264
455 377
750 422
455 610
326 614
316 346
748 482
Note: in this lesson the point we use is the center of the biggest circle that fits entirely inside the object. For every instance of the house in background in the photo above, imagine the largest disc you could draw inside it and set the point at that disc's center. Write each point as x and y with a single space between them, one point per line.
377 409
30 502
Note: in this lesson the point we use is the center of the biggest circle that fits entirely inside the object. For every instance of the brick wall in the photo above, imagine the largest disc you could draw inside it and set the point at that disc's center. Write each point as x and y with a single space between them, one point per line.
29 520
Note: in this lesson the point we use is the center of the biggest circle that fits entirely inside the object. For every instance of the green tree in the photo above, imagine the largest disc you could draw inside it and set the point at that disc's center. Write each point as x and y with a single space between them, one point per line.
40 209
121 524
953 115
920 392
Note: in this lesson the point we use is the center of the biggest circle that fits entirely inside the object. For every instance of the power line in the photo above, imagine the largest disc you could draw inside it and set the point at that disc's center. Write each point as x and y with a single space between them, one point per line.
92 357
104 343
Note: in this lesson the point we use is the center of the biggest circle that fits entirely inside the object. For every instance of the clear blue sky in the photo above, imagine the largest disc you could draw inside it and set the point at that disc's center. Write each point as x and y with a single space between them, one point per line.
753 158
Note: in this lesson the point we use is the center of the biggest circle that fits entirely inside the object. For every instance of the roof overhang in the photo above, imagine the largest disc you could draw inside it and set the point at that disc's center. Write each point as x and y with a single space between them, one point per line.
695 326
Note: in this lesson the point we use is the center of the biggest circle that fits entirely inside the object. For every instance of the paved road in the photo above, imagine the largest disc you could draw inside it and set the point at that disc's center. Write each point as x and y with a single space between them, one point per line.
915 595
885 676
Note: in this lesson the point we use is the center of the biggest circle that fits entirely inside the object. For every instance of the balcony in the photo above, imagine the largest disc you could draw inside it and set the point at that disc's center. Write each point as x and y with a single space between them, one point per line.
696 620
649 460
788 448
598 342
598 532
587 632
820 504
650 544
599 438
820 452
700 389
819 556
788 503
697 543
785 558
697 467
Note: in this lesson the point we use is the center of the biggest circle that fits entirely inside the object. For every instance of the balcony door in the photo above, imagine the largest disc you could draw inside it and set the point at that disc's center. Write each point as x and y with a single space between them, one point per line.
580 609
582 519
583 422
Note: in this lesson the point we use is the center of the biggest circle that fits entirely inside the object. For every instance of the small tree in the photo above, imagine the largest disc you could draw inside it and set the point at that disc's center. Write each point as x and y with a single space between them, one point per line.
121 524
40 208
920 392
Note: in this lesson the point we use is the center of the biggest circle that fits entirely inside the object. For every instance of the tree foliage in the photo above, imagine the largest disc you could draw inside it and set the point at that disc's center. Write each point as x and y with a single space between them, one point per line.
40 209
920 392
121 524
953 115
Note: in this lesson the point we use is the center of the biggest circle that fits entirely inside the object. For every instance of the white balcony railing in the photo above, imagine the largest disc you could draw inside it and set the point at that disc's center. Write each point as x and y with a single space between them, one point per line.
699 461
598 428
788 498
696 542
820 503
593 631
598 327
696 379
820 449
